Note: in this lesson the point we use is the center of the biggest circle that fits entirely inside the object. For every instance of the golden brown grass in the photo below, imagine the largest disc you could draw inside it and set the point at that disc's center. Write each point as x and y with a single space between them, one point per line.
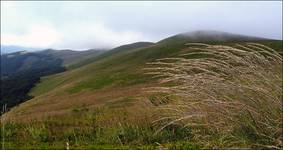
53 104
223 89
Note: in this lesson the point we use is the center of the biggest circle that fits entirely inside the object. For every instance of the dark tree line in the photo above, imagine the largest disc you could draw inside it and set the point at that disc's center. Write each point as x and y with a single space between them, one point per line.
15 88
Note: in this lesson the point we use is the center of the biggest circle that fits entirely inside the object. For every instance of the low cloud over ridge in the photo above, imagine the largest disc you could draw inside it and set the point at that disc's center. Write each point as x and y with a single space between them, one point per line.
86 25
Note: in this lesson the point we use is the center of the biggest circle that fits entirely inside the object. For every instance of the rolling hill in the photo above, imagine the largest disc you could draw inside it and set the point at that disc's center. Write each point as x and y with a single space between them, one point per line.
212 36
103 100
120 49
117 69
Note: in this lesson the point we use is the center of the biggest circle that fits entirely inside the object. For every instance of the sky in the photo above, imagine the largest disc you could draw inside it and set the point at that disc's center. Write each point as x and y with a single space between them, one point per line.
95 24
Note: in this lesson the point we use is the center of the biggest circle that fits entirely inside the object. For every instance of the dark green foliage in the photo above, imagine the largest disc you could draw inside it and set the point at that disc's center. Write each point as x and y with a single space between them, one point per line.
15 88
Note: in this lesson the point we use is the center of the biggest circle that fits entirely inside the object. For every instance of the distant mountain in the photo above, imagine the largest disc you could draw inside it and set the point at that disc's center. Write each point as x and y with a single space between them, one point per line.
5 49
211 36
14 63
70 57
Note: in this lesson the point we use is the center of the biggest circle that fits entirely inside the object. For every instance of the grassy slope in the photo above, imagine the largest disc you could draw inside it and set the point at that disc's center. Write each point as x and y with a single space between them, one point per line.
119 49
108 89
116 70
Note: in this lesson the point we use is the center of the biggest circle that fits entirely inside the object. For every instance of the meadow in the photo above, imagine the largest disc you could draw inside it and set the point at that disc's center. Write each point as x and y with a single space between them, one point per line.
173 94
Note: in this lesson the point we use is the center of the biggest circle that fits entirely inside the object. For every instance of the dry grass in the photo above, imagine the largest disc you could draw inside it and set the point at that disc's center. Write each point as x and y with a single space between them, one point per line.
54 104
223 90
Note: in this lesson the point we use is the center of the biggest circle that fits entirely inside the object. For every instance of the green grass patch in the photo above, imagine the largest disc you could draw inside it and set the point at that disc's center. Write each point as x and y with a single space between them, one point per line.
103 80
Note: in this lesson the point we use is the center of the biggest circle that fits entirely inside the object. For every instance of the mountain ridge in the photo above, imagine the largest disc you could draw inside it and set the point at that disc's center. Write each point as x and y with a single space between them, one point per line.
212 36
6 49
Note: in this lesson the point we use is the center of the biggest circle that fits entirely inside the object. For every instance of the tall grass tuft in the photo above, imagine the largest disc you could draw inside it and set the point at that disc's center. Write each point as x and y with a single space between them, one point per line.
221 90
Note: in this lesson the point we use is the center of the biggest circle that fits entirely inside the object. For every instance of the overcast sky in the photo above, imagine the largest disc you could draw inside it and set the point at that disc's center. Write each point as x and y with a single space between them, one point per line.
85 25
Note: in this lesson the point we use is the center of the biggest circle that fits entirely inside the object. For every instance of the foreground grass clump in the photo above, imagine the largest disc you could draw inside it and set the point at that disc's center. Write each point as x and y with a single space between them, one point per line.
230 96
103 128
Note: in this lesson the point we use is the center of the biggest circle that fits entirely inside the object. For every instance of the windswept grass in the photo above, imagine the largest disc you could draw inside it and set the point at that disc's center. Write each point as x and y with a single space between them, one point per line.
230 95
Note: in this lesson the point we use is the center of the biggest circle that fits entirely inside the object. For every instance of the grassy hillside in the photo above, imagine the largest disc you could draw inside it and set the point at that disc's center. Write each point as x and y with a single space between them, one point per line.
119 50
102 101
117 69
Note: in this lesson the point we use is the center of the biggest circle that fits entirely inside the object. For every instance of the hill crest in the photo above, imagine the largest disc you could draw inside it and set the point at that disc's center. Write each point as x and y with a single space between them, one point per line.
212 36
